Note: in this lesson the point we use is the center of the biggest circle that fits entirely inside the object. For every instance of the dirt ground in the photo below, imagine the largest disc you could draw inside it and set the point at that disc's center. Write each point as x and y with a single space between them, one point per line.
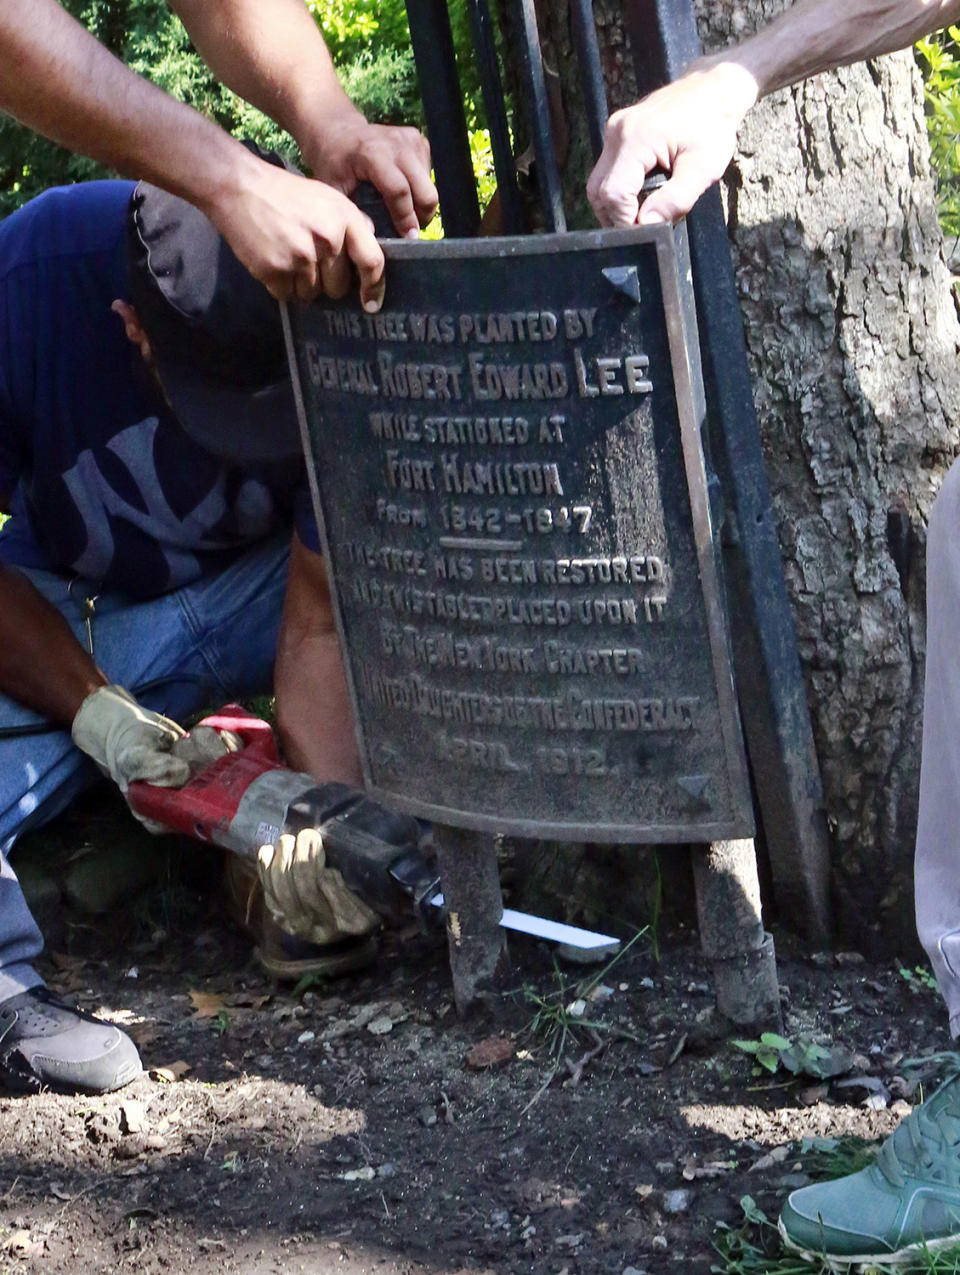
352 1127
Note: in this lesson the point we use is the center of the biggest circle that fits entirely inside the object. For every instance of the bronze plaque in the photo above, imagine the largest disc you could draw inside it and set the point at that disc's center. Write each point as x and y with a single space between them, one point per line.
510 480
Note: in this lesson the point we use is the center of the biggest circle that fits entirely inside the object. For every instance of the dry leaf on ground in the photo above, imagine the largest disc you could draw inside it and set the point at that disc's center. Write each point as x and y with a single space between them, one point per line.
490 1052
171 1072
206 1004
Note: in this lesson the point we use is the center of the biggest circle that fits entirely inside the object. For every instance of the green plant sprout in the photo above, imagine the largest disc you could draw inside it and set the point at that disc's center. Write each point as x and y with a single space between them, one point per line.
554 1020
801 1057
920 978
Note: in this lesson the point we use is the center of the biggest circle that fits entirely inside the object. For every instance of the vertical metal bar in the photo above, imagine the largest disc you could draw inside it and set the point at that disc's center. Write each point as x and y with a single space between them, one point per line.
531 64
732 936
591 71
663 40
770 683
433 52
470 880
491 86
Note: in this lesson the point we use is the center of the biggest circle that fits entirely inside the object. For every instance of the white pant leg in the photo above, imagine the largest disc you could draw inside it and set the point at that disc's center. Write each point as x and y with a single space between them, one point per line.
937 863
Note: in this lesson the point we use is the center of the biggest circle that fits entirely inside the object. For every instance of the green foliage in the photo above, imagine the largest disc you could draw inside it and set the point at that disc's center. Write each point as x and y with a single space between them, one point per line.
940 63
346 24
559 1018
755 1247
481 155
826 1158
920 978
765 1051
801 1057
384 86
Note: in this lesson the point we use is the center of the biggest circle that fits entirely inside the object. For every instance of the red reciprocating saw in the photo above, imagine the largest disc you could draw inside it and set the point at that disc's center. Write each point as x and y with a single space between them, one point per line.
247 799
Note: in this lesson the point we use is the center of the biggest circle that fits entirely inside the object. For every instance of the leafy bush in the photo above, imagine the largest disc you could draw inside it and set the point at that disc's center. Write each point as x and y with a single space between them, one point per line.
939 61
384 86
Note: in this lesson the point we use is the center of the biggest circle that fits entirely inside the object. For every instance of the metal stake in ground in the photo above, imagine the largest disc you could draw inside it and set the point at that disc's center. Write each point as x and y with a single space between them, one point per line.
471 888
732 934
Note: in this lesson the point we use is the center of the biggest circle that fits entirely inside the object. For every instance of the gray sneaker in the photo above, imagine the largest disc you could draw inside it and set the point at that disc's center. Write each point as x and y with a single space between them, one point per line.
908 1200
46 1043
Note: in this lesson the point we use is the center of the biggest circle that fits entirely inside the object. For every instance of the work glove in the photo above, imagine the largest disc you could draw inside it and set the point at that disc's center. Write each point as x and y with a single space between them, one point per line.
129 743
205 744
305 896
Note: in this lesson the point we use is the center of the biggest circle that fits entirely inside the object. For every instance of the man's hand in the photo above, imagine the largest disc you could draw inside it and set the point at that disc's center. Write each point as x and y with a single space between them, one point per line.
272 53
298 237
306 897
348 150
129 742
688 129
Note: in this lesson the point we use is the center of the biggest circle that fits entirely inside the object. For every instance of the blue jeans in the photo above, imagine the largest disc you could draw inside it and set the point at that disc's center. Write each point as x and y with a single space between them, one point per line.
197 647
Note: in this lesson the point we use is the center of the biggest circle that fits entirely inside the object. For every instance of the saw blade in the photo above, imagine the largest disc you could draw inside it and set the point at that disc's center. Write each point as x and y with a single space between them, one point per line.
553 931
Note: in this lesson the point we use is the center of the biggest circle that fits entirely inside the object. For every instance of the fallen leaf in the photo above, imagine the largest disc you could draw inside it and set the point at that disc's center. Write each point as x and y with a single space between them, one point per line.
21 1244
490 1052
245 1000
171 1072
206 1004
133 1117
776 1156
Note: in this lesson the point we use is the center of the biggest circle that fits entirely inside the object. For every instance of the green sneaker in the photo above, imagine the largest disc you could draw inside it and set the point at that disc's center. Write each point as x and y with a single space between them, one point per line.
907 1201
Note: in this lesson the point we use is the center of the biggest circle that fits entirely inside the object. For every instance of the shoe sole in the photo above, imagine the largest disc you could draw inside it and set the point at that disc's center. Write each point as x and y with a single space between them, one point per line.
354 958
902 1257
14 1083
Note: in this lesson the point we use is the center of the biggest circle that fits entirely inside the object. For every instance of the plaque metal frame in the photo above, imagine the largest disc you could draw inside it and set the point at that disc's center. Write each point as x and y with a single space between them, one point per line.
672 256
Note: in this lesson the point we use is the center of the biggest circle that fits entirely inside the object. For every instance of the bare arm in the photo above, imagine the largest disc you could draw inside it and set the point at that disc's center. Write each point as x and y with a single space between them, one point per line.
314 716
274 56
42 665
689 127
57 79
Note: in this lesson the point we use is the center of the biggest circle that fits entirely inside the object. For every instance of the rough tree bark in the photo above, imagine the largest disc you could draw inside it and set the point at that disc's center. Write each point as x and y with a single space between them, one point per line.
853 338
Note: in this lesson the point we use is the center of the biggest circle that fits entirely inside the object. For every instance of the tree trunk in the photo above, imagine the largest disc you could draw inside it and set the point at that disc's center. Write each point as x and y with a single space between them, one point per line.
853 337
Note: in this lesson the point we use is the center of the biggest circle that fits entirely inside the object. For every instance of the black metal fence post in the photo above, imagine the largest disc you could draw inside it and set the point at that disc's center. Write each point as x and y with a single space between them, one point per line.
772 692
433 52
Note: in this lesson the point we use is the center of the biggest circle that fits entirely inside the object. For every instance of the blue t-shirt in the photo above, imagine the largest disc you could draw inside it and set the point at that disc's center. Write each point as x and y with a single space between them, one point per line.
102 481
